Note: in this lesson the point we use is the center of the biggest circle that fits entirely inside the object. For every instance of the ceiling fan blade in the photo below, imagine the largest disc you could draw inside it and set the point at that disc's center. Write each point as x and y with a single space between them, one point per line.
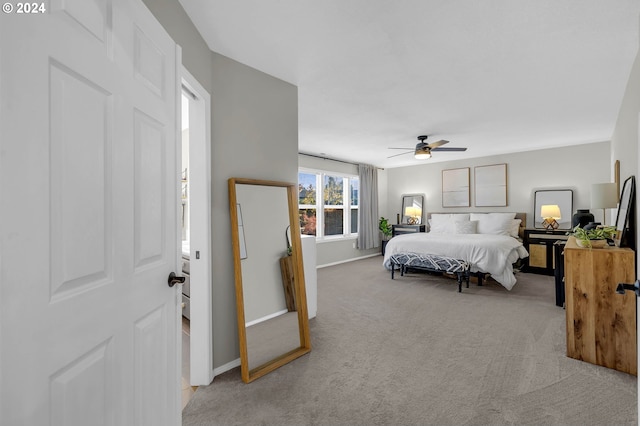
399 148
438 143
402 153
448 149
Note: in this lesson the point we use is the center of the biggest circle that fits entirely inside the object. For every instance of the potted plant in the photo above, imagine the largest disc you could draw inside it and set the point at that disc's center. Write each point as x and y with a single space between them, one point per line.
593 238
385 227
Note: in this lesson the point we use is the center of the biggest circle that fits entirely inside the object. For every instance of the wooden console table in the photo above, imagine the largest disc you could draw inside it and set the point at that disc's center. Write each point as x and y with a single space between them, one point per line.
601 324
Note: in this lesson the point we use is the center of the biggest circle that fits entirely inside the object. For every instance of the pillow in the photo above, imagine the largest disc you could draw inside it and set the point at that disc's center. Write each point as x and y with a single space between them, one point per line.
441 226
456 217
468 227
460 217
444 223
493 223
505 215
514 228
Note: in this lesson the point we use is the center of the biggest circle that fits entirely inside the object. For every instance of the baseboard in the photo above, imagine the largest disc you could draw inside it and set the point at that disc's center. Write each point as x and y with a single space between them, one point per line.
226 367
348 260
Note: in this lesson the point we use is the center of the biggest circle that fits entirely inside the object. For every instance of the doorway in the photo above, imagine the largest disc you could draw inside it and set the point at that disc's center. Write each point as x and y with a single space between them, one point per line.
195 230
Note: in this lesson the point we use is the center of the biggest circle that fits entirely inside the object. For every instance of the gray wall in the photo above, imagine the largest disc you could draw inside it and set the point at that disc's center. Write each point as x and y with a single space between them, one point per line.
624 142
575 168
254 134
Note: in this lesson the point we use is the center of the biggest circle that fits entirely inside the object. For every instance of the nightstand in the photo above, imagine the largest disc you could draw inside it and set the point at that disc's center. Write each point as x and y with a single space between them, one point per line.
539 244
406 229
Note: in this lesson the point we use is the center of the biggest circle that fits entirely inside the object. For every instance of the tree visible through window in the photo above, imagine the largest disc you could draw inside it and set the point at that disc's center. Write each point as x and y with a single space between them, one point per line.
333 205
307 203
336 212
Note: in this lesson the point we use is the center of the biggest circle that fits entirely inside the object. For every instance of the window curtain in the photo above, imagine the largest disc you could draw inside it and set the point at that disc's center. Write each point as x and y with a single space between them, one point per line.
368 234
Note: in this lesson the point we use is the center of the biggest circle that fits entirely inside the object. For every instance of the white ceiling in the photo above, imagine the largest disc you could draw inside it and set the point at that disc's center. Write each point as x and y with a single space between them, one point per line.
495 76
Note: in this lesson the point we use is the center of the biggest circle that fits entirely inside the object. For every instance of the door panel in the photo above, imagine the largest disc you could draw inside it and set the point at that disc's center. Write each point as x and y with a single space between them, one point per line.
80 191
71 404
90 192
149 189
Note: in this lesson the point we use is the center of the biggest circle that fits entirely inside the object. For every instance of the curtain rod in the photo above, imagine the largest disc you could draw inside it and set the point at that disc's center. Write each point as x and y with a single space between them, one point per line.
333 159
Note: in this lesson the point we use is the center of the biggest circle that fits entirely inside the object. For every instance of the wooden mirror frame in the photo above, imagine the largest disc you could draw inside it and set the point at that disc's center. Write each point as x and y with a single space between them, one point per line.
298 273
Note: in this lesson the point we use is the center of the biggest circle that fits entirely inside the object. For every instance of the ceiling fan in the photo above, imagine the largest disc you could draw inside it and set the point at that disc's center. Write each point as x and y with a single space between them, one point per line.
423 149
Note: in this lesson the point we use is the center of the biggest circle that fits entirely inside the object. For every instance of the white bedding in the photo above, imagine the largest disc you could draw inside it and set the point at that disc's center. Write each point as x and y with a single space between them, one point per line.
493 254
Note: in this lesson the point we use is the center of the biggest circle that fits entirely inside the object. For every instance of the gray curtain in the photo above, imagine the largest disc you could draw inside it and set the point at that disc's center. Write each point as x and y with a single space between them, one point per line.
368 233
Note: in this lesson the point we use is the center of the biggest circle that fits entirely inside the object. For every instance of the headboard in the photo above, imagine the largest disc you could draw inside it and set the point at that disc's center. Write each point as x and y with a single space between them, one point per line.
521 216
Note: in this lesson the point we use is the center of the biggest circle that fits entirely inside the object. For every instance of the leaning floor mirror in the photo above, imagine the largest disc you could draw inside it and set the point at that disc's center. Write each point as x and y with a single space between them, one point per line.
273 324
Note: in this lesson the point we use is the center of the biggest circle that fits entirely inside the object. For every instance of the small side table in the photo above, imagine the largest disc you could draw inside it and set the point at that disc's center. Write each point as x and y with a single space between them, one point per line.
539 244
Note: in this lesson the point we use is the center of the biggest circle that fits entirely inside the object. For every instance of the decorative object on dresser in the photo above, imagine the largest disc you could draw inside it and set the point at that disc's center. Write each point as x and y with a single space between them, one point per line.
540 245
413 214
581 218
491 185
551 214
563 198
412 209
595 237
604 196
601 324
455 188
626 219
406 229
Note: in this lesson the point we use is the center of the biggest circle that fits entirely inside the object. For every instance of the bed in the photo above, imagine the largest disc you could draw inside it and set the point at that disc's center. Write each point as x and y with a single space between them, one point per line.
490 242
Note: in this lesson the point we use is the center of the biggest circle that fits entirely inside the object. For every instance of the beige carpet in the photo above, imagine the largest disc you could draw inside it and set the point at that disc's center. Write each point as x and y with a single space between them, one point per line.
414 351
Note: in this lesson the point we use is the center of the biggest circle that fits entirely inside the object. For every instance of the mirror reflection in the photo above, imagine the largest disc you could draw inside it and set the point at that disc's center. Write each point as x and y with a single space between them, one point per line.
552 198
270 295
412 209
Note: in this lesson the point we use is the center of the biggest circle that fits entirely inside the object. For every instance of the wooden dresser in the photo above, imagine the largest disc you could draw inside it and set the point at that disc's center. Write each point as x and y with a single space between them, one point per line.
601 324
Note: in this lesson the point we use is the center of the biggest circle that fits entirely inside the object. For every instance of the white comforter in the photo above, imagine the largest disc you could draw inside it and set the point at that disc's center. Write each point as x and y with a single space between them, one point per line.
493 254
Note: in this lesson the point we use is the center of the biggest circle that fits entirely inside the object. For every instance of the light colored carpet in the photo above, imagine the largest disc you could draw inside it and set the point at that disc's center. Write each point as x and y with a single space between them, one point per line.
414 351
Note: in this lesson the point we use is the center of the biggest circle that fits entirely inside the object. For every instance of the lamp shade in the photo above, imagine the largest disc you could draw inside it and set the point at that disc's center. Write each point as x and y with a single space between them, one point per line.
550 210
604 196
412 211
422 154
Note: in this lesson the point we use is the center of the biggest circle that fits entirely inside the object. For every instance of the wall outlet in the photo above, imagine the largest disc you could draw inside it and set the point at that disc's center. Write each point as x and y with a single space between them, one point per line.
354 245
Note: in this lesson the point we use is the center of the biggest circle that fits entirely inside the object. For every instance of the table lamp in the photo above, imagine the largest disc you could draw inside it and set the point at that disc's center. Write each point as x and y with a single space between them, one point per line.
550 214
413 213
604 196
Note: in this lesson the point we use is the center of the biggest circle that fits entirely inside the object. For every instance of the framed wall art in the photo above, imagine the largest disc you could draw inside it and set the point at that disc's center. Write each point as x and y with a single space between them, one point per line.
491 185
455 188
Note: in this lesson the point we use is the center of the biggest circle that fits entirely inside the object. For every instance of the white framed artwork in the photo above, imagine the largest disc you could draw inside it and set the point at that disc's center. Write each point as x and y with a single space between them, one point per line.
491 185
455 187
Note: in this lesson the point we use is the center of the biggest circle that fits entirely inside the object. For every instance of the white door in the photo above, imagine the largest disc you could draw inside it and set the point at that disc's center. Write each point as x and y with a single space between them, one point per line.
88 205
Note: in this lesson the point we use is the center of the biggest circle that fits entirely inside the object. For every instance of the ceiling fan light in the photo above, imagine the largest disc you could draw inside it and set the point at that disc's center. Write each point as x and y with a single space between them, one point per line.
422 154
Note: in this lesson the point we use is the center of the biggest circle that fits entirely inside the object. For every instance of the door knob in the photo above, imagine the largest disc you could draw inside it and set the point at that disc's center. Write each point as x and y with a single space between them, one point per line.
635 287
174 279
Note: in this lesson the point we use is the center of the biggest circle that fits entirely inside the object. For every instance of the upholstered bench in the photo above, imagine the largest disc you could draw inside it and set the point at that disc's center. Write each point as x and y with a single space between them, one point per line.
431 263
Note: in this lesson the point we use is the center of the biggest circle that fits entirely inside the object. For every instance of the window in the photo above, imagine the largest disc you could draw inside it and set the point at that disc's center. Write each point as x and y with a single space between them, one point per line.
334 211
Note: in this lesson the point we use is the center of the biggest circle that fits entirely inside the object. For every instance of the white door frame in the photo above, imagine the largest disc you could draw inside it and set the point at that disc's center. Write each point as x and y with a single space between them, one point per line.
201 342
